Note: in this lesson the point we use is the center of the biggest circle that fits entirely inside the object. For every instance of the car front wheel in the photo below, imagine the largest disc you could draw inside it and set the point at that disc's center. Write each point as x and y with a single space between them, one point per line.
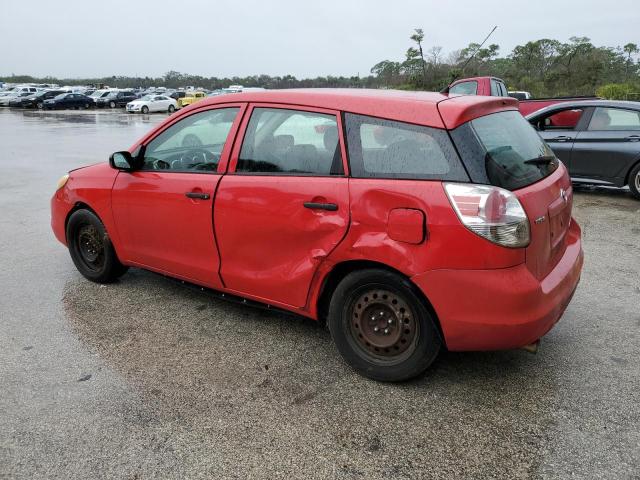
112 104
381 327
171 109
634 181
90 248
145 109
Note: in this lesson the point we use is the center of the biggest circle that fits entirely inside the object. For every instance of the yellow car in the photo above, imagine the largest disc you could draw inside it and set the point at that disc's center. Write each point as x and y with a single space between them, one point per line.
191 97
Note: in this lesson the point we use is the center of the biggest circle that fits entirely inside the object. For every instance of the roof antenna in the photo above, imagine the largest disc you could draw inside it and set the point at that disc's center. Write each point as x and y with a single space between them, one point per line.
446 89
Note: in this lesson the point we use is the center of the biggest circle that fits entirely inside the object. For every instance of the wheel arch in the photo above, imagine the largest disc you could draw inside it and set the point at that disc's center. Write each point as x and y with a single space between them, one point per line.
78 206
342 269
627 177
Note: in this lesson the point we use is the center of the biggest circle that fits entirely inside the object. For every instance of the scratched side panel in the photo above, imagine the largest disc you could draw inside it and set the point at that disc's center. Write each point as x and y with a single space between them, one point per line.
270 244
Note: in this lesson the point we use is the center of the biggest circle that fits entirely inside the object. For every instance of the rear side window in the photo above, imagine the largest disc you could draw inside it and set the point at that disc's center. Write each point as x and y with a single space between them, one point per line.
465 88
614 119
388 149
290 142
504 150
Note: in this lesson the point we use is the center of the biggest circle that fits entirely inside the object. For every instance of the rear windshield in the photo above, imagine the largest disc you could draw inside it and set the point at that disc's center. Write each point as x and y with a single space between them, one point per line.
504 150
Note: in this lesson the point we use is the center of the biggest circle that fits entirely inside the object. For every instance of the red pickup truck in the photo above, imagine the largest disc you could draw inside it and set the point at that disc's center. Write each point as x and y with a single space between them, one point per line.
495 87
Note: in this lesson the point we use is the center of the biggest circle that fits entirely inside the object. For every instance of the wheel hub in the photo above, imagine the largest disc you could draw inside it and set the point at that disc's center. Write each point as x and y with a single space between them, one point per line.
382 323
90 243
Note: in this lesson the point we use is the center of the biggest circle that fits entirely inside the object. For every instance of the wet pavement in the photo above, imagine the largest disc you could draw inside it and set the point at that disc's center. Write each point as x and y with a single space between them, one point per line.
147 378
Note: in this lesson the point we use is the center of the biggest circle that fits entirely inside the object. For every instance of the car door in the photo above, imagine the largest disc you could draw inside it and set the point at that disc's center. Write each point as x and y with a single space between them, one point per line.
559 129
160 104
609 146
163 211
284 205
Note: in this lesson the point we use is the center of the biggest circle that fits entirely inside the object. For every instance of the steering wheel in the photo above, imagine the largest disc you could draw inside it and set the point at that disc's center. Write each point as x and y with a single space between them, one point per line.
161 165
198 159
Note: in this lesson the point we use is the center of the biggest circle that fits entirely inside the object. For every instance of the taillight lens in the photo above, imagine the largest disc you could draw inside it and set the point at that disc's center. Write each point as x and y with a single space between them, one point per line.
491 212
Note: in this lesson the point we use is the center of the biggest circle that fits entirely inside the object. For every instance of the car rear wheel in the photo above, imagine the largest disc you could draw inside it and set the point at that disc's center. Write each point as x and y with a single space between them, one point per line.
145 109
112 104
381 327
40 105
171 109
90 248
634 181
86 106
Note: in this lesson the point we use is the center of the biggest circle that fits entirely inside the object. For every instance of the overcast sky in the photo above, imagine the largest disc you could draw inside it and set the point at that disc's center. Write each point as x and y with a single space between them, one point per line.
79 38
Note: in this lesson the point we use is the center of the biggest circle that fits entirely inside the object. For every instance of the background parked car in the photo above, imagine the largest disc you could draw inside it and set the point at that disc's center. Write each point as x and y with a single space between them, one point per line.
68 100
153 103
35 100
190 98
116 98
598 140
178 94
4 100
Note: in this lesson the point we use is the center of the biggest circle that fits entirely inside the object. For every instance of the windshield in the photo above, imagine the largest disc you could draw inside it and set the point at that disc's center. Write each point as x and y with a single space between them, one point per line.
504 150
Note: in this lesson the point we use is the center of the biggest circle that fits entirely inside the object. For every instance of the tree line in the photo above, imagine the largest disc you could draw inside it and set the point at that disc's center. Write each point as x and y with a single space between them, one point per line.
544 67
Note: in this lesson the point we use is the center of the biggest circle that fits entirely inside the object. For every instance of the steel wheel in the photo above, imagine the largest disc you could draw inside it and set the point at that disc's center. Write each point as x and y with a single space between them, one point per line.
91 248
383 326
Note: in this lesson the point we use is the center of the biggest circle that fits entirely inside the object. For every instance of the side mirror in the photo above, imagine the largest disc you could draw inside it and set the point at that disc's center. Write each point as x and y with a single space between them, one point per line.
122 161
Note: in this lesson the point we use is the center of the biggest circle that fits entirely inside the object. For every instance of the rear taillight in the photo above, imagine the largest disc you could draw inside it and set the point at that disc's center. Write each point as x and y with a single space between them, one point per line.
491 212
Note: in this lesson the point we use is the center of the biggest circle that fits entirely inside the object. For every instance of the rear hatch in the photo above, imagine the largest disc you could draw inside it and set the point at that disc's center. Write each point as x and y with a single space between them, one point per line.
548 205
503 150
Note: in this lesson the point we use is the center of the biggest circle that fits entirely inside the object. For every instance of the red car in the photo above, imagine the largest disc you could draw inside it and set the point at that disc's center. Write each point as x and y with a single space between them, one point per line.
410 222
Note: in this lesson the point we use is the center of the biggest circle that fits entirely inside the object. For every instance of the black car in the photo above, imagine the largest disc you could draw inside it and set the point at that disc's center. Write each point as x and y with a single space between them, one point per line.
116 99
35 100
68 100
178 94
598 140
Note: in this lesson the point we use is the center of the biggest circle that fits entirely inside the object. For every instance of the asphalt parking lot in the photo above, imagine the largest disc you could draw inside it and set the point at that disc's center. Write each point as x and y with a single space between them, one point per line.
147 378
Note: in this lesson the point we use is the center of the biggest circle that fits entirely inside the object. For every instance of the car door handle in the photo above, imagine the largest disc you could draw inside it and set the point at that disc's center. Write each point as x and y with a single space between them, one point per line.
561 138
634 138
198 195
332 207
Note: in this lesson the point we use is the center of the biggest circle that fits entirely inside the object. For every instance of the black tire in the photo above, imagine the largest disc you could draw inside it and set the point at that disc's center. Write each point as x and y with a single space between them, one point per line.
145 109
385 308
90 248
86 106
634 181
40 105
112 104
171 109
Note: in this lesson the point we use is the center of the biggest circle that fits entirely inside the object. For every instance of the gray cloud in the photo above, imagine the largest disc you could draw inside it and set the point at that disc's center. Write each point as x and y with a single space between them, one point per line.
75 38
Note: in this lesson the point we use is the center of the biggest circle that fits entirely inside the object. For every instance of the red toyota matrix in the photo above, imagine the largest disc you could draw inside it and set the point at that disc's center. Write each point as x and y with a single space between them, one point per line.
410 222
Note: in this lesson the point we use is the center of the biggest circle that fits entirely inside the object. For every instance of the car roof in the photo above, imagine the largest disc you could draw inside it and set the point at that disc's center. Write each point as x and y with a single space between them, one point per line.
586 103
424 108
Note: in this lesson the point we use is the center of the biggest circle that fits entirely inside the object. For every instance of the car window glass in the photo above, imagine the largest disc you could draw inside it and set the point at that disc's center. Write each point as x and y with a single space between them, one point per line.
562 120
614 119
290 142
508 144
464 88
495 89
389 149
194 143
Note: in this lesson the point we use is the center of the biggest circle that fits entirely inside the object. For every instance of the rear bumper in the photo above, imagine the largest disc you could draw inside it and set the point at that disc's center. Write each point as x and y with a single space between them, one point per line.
502 308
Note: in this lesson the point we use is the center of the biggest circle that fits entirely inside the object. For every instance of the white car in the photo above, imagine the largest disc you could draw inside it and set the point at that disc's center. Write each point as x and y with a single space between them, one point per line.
152 103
